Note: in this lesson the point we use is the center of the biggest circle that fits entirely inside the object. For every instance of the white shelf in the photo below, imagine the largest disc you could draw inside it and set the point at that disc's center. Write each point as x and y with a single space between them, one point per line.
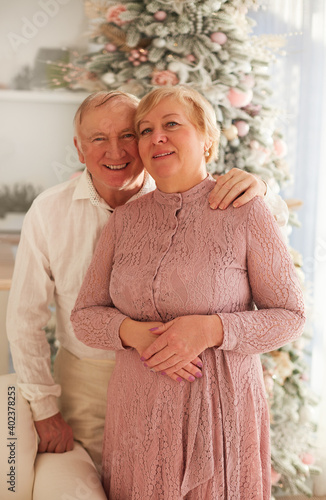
44 96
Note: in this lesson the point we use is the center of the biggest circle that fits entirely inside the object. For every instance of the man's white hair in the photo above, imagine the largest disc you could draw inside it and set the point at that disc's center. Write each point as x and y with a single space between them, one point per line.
100 98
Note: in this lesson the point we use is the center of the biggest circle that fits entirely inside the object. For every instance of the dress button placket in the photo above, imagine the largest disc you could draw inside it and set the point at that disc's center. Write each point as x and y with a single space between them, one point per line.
170 229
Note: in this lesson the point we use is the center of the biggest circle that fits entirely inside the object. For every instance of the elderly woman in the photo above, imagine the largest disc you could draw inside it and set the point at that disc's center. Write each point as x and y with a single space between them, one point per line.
174 285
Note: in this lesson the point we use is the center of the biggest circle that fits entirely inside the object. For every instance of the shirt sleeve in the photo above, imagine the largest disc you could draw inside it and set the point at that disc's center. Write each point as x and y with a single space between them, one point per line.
276 291
28 313
95 320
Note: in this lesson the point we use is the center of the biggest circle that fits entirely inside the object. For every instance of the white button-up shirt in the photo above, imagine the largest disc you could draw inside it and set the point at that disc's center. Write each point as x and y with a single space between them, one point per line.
58 238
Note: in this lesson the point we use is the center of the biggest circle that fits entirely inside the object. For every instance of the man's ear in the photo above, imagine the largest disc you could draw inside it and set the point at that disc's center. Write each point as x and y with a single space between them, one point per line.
79 151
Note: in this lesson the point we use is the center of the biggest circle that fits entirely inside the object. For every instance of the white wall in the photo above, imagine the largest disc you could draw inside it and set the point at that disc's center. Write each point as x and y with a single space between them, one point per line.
36 127
36 137
27 25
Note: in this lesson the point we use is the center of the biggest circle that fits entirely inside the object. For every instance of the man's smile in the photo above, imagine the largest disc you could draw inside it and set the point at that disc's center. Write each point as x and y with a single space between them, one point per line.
116 167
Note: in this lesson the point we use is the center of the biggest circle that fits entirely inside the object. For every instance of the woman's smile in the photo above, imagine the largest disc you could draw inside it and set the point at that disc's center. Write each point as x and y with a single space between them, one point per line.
163 155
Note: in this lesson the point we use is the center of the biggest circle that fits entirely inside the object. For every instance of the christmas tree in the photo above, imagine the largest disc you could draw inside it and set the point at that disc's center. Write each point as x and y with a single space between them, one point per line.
208 44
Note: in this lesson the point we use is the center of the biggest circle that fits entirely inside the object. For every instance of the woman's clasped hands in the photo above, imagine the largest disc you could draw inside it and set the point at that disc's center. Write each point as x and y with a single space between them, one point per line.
180 342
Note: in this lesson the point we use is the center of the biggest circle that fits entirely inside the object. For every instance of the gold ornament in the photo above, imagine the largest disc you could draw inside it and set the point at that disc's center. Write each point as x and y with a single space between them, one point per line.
284 366
95 8
230 133
293 203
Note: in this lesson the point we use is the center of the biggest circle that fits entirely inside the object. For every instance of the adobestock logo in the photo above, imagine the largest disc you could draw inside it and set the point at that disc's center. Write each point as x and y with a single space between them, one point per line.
31 27
71 165
319 257
85 489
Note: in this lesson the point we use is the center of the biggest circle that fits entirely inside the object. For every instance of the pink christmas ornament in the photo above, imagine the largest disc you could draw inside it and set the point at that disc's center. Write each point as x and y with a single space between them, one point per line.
110 47
137 56
113 14
243 128
219 37
165 77
190 58
275 476
160 15
252 109
280 148
308 459
239 99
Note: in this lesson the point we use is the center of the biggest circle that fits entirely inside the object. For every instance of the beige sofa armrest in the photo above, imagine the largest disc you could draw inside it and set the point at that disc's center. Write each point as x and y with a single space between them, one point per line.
32 476
67 476
18 442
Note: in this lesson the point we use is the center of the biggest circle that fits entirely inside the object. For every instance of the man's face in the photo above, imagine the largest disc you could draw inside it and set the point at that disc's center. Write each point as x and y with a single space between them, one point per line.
107 144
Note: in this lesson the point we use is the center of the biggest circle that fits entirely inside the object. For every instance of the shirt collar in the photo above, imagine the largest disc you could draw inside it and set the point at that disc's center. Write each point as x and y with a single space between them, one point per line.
85 190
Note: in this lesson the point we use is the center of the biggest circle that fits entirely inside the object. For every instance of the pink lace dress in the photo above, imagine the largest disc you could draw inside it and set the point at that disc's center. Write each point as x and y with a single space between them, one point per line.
167 255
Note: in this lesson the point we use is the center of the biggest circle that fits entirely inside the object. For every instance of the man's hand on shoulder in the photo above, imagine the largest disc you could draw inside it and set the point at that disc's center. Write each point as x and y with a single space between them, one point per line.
237 187
55 435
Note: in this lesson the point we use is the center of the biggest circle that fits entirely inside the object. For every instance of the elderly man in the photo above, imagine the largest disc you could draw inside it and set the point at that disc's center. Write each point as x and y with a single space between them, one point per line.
58 238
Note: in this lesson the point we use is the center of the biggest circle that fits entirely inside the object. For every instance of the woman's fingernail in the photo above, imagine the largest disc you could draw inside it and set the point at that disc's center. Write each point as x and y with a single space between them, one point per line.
163 373
153 329
146 365
179 379
191 378
142 358
198 374
199 364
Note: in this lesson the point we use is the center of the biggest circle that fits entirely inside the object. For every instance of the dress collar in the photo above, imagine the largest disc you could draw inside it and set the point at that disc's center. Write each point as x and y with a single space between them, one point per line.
201 189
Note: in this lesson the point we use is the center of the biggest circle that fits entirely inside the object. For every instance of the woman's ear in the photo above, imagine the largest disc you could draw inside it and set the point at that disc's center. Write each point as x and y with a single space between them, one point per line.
207 147
208 144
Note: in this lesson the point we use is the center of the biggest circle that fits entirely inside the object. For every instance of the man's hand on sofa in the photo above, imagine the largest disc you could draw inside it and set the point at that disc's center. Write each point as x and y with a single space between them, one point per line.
55 435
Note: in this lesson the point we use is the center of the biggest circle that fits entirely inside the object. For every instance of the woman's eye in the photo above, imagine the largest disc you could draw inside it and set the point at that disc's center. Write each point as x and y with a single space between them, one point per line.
172 124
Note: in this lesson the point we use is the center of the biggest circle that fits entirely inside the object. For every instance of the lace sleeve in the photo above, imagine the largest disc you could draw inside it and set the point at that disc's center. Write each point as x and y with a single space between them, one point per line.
275 290
95 321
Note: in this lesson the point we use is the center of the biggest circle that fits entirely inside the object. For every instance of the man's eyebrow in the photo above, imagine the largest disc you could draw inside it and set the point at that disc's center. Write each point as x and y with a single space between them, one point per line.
164 116
100 132
96 132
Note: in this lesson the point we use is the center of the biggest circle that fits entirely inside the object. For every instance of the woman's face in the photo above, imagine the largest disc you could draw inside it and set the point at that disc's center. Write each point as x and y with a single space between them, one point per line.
171 148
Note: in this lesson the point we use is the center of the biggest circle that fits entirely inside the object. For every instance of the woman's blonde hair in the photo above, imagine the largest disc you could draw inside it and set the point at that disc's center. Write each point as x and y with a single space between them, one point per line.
198 110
